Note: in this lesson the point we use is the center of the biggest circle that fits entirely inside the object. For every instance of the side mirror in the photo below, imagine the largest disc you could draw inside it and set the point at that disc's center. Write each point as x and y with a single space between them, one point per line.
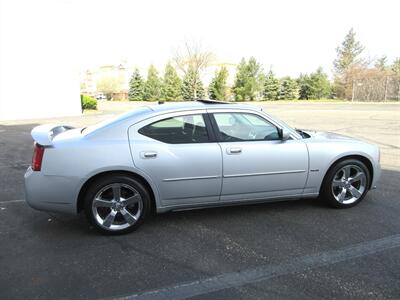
283 134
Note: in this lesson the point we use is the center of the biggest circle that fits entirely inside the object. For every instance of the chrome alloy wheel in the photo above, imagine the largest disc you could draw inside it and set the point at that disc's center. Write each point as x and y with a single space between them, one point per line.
117 206
349 184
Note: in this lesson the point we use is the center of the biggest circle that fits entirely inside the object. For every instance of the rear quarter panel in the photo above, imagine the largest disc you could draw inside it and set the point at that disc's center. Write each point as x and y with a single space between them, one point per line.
76 159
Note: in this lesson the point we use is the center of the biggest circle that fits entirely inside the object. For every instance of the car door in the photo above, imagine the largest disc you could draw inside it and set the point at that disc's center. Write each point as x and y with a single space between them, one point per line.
256 162
179 153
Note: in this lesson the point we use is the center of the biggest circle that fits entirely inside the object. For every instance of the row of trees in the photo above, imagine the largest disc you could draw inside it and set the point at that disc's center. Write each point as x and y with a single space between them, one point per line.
170 87
190 62
252 83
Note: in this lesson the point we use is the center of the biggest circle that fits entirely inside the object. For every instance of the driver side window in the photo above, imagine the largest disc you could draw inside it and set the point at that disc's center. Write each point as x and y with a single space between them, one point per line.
234 127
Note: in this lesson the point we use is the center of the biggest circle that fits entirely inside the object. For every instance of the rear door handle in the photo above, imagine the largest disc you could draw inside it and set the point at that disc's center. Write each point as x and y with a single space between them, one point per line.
234 150
149 154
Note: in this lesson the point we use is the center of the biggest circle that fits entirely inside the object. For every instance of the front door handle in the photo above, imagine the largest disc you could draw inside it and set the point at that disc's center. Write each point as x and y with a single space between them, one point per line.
234 150
149 154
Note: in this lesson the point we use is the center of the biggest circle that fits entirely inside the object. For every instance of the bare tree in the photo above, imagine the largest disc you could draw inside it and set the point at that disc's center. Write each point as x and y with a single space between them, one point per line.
375 84
192 59
108 86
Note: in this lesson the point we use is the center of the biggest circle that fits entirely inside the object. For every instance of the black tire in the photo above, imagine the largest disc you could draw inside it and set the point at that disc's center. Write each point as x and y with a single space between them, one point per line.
327 190
128 184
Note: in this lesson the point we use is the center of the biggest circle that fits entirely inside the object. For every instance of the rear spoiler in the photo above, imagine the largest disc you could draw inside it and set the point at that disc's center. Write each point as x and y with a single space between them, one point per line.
44 134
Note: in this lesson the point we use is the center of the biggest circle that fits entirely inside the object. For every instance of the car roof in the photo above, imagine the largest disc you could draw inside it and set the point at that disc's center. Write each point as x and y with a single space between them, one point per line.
198 104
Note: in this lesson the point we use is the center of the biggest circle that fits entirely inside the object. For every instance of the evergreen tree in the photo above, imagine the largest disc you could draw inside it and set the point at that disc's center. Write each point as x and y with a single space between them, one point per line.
305 89
348 54
172 84
321 87
271 87
218 88
346 64
239 89
192 87
136 87
248 82
289 89
152 86
314 86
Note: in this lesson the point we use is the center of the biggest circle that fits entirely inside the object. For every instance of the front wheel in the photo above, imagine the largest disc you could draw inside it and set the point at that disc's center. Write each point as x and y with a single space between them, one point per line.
346 184
116 204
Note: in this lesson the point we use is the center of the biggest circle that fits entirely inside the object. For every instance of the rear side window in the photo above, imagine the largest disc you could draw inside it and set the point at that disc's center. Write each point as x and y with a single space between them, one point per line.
178 130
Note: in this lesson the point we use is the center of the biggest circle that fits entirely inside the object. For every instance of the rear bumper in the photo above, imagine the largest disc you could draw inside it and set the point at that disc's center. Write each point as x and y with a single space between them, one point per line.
51 193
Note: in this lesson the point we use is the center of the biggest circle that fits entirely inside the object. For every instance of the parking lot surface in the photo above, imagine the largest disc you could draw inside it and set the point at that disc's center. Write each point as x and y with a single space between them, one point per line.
285 250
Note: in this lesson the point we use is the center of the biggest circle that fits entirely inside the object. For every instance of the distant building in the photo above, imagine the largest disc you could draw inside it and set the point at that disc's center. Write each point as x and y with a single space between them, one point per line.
122 72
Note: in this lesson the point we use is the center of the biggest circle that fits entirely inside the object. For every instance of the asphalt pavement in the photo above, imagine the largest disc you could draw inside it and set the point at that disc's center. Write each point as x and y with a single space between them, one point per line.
283 250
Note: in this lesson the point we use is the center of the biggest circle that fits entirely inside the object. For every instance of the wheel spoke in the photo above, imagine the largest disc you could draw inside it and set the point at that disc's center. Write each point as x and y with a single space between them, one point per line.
346 172
342 195
116 192
356 178
110 218
101 203
131 219
355 193
131 200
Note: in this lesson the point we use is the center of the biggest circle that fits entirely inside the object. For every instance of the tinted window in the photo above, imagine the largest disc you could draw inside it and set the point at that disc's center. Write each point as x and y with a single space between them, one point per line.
178 130
244 127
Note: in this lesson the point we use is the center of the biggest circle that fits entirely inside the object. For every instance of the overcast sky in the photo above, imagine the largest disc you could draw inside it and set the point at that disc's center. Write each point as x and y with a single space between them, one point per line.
292 36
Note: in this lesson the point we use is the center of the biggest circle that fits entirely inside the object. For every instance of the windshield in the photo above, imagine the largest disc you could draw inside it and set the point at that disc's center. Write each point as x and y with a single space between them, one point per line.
283 124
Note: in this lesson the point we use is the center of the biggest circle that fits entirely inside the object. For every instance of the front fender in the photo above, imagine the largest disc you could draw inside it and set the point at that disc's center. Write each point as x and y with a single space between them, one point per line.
324 154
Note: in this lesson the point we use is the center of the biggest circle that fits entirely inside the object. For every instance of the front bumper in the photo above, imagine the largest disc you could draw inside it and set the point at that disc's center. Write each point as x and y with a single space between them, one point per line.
376 175
51 193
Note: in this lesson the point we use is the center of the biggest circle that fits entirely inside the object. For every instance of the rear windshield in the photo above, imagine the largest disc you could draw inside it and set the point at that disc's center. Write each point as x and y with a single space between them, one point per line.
130 114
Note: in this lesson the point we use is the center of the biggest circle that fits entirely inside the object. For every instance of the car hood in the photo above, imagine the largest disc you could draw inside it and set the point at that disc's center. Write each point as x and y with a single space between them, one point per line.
323 135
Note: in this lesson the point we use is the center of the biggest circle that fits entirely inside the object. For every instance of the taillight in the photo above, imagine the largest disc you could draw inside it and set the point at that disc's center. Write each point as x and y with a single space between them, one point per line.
37 157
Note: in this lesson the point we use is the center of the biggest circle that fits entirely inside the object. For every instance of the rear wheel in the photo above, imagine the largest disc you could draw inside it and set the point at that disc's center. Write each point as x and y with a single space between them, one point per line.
116 204
346 184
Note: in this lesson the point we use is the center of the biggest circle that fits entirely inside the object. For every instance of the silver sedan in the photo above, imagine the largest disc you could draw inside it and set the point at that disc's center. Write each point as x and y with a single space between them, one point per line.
191 155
